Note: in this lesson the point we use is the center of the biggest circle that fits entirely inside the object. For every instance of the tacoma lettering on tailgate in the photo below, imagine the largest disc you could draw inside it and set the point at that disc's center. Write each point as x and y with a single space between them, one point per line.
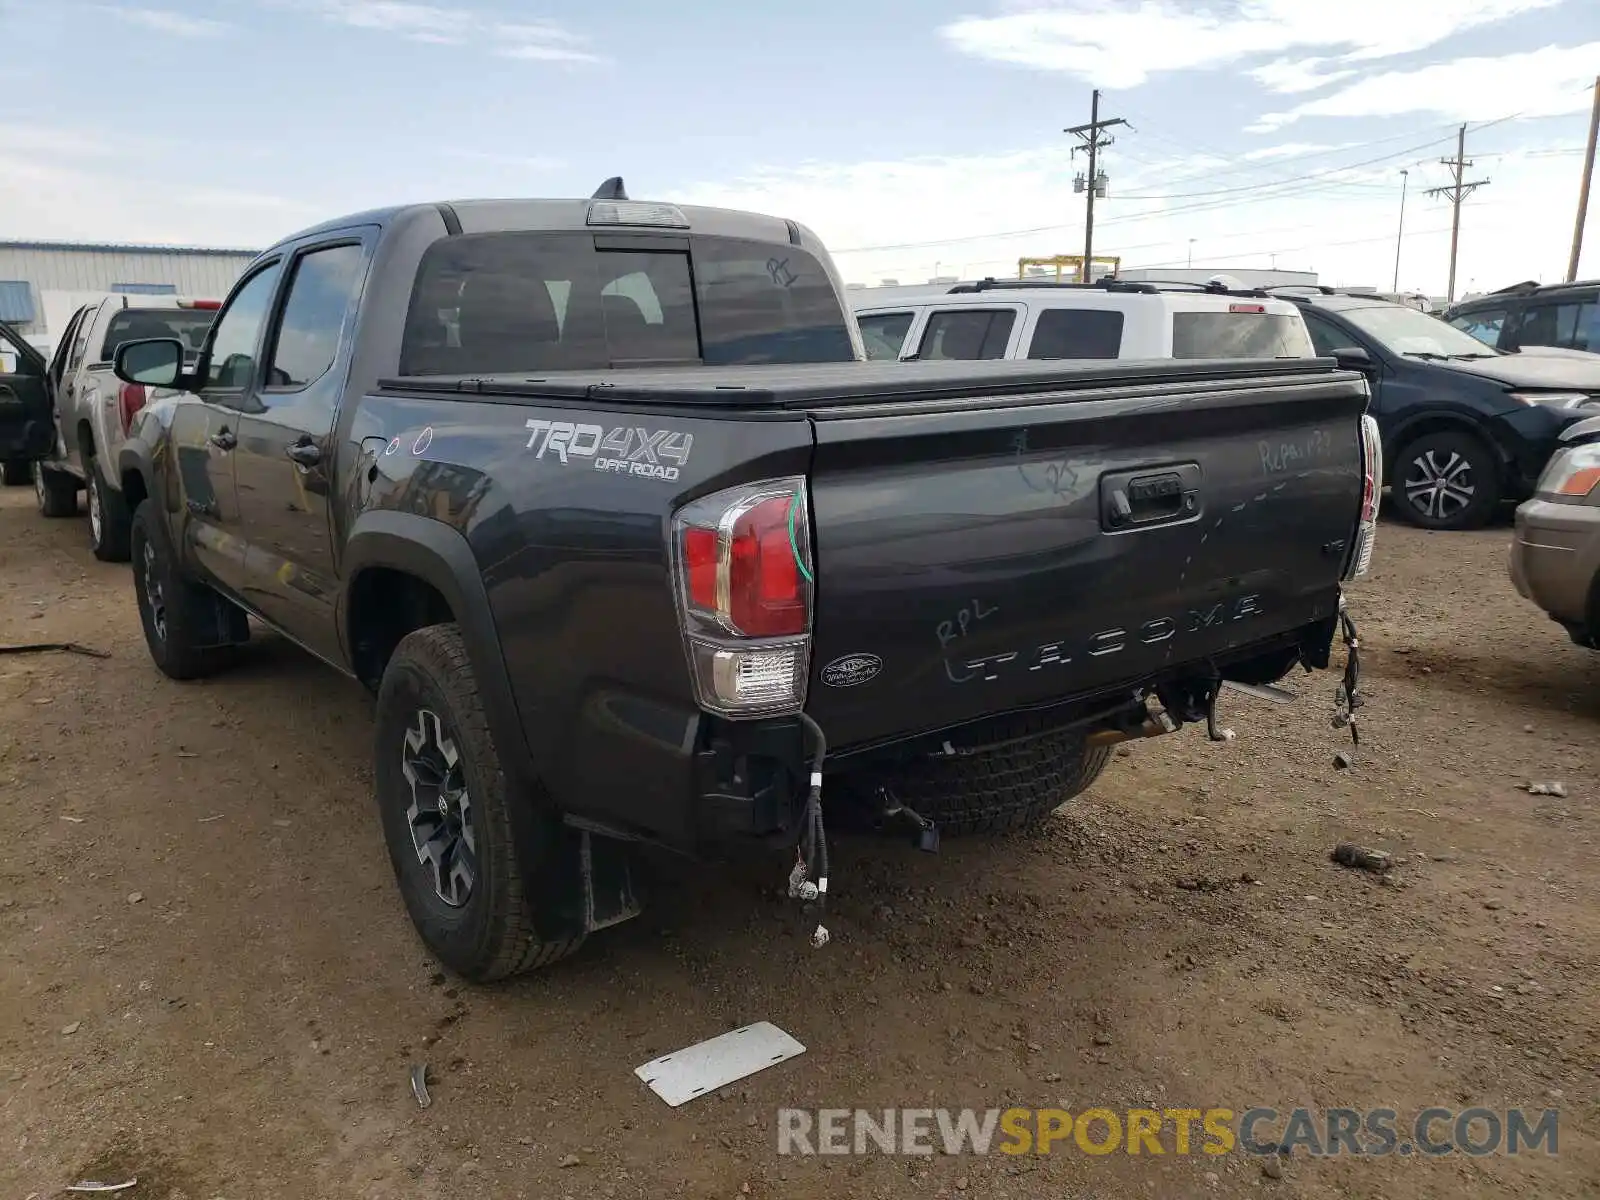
1108 641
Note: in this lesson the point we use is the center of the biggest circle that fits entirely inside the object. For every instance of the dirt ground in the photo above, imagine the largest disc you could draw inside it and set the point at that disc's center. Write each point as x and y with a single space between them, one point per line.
207 979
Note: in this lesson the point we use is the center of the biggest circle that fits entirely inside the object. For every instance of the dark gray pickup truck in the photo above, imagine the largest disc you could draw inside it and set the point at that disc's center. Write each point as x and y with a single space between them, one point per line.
599 501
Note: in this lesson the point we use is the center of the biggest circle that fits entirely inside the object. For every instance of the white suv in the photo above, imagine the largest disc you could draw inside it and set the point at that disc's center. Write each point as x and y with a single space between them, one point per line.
1110 319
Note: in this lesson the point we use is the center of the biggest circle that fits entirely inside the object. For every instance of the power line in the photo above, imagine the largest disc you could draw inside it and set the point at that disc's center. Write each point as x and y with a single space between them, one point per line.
1266 187
1132 219
1250 187
1268 191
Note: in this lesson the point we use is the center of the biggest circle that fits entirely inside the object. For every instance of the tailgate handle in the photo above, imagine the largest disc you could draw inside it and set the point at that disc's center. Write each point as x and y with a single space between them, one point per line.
1145 498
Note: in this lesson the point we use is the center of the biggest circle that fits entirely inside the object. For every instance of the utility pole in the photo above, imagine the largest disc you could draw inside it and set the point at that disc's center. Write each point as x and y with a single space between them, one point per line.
1583 190
1089 139
1456 193
1405 178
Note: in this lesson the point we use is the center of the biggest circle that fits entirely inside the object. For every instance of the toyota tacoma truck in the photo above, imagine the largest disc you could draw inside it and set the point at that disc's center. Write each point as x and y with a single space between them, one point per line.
601 501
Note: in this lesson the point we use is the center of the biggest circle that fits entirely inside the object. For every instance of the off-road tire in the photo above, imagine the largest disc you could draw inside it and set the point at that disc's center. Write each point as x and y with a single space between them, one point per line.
1004 789
57 491
181 642
1483 473
113 540
493 935
16 473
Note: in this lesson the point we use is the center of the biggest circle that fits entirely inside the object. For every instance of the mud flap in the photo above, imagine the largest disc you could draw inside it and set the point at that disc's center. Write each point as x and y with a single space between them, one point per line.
585 883
608 894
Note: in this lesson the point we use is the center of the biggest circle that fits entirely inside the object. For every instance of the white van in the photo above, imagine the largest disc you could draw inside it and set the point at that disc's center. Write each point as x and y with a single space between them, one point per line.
1109 319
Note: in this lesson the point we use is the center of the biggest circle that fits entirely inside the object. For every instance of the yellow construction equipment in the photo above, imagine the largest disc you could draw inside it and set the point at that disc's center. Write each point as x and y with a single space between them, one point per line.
1070 263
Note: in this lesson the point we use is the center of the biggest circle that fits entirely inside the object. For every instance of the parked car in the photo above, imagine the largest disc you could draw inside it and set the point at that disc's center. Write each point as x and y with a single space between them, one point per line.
1042 319
93 408
1564 315
1555 557
597 498
1464 427
25 422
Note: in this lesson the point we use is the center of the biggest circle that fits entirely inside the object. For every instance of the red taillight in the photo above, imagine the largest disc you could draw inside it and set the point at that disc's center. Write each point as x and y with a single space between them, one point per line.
700 561
742 566
1371 488
764 596
206 304
1247 308
1372 468
129 401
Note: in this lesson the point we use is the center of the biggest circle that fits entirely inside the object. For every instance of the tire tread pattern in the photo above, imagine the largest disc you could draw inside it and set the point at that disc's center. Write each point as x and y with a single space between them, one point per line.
1004 789
514 945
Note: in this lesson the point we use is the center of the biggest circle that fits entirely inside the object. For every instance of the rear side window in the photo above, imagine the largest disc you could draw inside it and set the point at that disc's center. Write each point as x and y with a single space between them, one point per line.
517 302
1239 335
1572 326
967 334
1076 333
1485 324
884 334
320 292
188 325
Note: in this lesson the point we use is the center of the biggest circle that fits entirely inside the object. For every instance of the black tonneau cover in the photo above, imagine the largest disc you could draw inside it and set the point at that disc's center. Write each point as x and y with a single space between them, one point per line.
821 384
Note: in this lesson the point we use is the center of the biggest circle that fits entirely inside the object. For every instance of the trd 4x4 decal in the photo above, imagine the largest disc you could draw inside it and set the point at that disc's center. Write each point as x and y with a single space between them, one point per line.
624 450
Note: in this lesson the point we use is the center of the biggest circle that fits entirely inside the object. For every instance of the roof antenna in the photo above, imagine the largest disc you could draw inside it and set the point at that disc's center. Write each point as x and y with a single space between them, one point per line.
611 189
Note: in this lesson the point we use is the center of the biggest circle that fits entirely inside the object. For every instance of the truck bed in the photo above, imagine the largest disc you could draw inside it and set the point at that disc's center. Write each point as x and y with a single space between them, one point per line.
971 559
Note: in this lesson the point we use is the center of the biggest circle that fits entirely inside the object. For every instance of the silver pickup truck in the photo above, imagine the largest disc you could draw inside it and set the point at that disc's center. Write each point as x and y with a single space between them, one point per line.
93 408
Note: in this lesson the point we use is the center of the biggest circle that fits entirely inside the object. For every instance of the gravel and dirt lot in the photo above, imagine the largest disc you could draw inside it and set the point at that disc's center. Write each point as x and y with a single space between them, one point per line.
207 979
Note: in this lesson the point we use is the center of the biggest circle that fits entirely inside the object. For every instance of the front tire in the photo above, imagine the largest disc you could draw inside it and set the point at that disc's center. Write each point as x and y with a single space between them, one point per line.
442 798
110 523
1446 480
56 491
1003 789
184 622
16 473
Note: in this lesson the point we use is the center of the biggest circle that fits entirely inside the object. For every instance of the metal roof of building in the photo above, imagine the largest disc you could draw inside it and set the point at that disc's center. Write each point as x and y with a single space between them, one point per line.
129 248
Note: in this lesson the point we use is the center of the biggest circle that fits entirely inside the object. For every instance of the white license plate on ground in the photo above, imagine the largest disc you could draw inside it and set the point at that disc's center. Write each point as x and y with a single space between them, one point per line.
704 1067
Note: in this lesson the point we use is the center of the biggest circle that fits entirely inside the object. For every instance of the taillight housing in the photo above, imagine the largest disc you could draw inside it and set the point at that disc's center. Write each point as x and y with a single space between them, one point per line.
1371 493
129 401
742 568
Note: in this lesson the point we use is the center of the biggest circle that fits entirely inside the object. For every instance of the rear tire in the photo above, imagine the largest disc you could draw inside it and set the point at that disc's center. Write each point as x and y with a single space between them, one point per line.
56 491
456 862
1446 480
1004 789
16 473
182 619
110 523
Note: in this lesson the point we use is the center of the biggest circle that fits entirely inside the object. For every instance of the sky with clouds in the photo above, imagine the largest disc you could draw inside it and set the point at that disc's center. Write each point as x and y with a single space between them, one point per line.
916 136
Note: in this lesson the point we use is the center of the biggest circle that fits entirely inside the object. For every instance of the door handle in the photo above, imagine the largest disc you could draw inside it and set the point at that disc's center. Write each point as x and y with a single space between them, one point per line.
305 452
1148 498
223 439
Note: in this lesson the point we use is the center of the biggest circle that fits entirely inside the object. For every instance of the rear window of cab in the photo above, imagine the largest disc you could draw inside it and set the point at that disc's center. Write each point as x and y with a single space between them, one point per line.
500 303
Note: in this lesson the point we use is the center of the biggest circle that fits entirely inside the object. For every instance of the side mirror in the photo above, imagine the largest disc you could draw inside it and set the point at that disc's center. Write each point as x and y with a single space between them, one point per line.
1354 358
157 362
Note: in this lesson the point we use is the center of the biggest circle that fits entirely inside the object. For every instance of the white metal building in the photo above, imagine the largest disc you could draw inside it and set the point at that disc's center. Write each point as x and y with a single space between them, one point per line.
43 283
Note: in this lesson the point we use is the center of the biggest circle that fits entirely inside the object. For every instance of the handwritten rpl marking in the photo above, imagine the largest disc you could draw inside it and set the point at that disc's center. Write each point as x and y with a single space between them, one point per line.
969 615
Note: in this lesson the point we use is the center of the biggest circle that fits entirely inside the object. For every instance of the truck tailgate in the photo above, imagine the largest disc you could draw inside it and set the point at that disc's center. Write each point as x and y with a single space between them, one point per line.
1001 553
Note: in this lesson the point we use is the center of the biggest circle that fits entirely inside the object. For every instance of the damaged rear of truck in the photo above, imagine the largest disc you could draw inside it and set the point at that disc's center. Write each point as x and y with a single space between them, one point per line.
947 588
600 502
